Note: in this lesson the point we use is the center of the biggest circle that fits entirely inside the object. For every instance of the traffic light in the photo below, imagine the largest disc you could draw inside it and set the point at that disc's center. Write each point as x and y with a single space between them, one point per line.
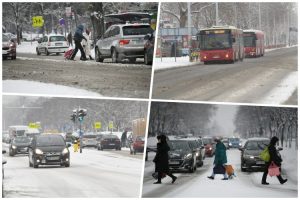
81 114
73 117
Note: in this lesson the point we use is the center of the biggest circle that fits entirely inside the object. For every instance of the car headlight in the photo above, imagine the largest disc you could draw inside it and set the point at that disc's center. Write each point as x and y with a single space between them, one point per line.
13 146
210 148
197 154
230 144
188 156
249 156
38 151
240 144
65 151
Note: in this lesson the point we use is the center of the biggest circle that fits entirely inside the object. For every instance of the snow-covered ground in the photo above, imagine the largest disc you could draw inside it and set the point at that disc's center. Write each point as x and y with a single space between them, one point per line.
245 184
33 87
91 174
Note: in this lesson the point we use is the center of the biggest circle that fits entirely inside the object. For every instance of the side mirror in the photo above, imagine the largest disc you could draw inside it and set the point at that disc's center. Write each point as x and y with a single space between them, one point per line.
12 40
69 145
3 151
241 148
202 147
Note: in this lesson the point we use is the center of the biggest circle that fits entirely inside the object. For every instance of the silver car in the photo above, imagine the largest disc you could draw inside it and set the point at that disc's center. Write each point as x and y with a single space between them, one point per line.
52 44
122 41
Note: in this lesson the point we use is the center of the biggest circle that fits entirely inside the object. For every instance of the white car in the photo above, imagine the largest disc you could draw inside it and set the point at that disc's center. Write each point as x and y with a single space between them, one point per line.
52 44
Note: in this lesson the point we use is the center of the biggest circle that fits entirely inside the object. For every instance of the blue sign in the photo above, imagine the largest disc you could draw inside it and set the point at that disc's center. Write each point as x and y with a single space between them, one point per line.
62 21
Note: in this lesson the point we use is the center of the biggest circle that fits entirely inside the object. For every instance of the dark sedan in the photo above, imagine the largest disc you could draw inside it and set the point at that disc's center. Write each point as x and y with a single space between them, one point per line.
109 141
19 145
250 154
49 149
182 156
8 48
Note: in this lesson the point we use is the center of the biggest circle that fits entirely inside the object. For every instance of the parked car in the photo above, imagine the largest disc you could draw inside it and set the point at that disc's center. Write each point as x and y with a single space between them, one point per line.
11 36
149 48
19 145
209 146
89 140
49 149
9 47
250 159
137 144
181 156
234 142
109 141
122 41
198 148
52 44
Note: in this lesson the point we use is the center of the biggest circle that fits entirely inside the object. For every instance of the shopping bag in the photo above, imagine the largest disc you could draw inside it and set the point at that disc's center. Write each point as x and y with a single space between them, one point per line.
273 169
229 170
219 169
265 155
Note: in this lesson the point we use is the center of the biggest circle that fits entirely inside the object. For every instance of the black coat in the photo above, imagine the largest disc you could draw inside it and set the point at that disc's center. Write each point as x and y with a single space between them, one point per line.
274 155
162 158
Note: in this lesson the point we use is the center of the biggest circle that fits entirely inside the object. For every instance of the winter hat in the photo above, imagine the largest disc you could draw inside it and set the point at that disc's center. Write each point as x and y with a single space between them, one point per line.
274 140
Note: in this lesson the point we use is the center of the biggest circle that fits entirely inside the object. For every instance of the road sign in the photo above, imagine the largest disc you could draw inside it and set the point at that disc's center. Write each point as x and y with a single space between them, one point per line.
37 21
62 21
111 125
97 125
33 125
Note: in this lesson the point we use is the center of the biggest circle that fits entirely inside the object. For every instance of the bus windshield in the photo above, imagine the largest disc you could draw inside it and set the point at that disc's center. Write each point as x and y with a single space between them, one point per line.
215 41
249 41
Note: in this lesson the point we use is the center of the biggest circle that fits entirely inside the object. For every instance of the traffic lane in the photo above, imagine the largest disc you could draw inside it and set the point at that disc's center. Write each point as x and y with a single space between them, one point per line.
90 175
184 178
207 82
114 80
123 152
139 61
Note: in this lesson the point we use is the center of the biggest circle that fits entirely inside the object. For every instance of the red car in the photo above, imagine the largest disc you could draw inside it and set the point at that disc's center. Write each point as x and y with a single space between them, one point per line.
209 146
8 48
137 145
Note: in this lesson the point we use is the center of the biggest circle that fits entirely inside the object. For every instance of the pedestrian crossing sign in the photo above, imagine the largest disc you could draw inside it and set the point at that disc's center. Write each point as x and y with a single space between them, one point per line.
97 125
111 125
37 21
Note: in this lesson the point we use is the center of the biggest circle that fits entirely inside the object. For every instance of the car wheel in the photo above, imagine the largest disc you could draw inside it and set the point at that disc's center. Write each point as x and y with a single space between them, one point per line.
67 164
38 52
191 169
98 55
47 52
57 54
114 56
132 60
201 163
35 165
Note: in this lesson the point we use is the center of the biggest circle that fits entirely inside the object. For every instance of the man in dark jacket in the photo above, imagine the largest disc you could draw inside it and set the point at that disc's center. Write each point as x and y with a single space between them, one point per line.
220 159
78 37
70 39
123 139
161 159
274 157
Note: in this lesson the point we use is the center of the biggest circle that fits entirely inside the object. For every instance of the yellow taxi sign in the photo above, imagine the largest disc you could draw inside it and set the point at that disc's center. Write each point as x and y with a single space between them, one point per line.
97 125
37 21
111 125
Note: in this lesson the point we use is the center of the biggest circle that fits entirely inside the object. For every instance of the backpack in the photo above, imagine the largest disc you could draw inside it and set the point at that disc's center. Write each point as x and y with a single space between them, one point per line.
265 155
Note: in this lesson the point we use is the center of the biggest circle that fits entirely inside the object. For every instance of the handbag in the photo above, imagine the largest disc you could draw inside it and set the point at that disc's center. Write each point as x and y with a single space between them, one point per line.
273 170
265 155
219 169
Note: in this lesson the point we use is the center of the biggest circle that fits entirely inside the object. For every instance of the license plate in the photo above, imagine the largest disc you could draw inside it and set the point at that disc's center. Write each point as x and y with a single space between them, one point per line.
217 56
260 162
111 144
58 44
174 162
136 41
53 158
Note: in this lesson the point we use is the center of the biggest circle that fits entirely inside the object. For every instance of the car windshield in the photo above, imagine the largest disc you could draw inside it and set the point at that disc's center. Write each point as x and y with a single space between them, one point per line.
256 145
110 136
177 145
137 30
50 141
5 38
207 141
215 41
21 140
249 40
57 39
234 140
140 139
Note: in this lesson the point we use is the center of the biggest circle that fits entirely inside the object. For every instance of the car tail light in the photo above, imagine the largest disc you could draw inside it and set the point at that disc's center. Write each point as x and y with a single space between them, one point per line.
124 42
49 43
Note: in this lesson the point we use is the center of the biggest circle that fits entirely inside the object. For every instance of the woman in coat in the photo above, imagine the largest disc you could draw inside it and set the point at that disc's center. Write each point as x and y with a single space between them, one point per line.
220 159
86 44
274 157
161 159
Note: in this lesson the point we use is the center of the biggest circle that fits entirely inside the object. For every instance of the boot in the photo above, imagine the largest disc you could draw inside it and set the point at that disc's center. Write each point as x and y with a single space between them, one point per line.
264 183
174 179
157 182
211 177
91 57
283 181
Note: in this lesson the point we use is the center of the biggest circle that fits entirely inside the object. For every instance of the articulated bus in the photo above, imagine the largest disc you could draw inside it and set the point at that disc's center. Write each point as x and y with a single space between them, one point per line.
254 43
221 44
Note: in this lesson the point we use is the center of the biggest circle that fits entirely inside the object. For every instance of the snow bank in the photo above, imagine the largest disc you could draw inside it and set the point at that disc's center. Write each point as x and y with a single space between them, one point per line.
27 47
169 62
268 50
33 87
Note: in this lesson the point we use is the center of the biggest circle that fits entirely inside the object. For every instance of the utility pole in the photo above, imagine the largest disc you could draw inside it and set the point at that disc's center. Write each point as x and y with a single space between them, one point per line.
217 14
189 31
259 17
235 14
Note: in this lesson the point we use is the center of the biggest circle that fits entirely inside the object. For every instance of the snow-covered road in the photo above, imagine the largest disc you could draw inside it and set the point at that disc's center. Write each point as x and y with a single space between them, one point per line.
91 174
198 185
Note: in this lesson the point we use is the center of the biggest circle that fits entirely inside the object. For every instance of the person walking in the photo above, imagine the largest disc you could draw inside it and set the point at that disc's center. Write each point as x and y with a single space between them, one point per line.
161 159
86 44
220 159
78 37
70 39
274 157
123 139
76 146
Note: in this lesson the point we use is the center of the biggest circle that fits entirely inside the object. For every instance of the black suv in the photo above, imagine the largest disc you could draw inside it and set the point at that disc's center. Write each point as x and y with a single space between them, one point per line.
19 145
49 150
182 156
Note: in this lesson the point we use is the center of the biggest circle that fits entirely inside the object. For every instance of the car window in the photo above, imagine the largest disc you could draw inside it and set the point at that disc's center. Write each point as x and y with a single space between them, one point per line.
21 140
176 145
45 39
137 30
57 39
50 141
5 38
89 136
106 34
256 145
